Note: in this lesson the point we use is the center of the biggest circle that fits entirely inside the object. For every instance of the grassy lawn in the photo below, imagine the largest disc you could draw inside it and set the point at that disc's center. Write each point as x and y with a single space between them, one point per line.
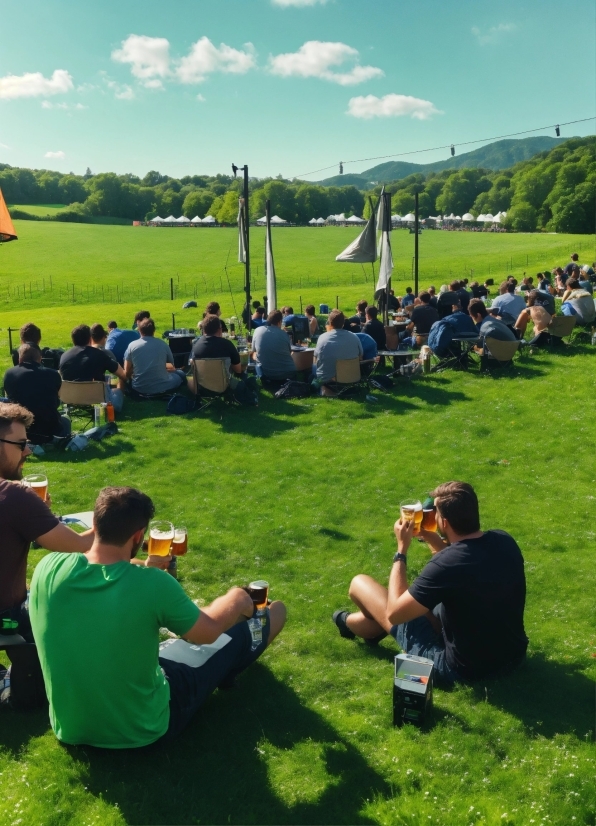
39 209
305 493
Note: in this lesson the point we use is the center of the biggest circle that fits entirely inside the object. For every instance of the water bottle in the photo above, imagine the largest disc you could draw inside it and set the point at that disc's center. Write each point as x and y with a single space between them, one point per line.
256 631
97 415
594 335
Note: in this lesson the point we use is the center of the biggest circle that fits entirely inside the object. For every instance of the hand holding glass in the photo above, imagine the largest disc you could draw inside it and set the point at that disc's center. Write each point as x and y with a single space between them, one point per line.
258 592
161 535
411 511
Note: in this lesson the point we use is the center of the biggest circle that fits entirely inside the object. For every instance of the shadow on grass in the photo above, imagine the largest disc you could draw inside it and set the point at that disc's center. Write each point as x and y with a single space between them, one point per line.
251 755
17 728
338 535
548 697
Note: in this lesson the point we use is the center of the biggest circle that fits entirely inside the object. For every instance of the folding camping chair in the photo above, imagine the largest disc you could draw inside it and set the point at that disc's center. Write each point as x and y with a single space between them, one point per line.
350 374
497 353
560 327
211 379
81 396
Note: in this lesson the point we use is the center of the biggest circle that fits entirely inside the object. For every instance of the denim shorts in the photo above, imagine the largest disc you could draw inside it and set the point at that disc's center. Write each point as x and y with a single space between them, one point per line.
190 687
418 637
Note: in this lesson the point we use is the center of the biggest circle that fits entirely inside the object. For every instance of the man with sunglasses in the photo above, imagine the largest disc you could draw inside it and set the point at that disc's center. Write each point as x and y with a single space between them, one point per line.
24 518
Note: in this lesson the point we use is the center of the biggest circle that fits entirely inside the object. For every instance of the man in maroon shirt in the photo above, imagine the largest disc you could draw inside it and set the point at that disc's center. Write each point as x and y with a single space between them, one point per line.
24 518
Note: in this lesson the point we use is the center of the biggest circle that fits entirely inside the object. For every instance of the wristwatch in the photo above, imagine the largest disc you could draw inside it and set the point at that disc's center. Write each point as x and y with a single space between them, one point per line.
399 556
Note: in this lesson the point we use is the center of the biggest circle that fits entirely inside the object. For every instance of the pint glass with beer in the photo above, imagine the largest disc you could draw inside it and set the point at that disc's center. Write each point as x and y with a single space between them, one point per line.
161 535
411 511
429 519
39 483
258 592
180 541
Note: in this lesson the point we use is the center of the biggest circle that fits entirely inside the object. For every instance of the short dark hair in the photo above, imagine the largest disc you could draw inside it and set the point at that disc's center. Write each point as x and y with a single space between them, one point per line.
141 315
336 319
477 307
119 513
289 310
256 304
310 309
211 325
146 327
212 308
112 325
260 310
458 504
454 286
408 290
362 305
372 311
424 297
97 332
30 332
572 284
10 413
275 317
81 335
574 256
29 352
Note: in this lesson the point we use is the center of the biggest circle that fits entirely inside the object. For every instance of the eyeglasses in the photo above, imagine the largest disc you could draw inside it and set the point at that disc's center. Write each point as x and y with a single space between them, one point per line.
22 445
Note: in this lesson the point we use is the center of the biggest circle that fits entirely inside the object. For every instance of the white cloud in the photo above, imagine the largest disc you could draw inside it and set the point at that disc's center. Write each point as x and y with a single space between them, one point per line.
149 57
391 106
205 58
47 104
59 154
316 59
4 146
493 34
201 99
286 3
34 84
122 91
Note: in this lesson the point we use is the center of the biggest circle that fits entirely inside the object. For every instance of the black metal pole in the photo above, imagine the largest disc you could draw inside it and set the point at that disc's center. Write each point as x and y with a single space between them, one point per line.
387 228
246 246
416 244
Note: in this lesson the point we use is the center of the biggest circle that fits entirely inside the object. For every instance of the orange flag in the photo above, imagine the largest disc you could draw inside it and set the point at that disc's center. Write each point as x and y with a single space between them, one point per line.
7 232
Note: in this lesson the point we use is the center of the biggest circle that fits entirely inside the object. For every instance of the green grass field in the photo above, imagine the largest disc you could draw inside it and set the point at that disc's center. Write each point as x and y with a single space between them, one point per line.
39 209
305 493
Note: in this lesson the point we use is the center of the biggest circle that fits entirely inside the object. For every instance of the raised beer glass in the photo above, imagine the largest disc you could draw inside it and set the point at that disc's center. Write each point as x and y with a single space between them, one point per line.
258 592
180 541
39 483
411 510
429 519
161 535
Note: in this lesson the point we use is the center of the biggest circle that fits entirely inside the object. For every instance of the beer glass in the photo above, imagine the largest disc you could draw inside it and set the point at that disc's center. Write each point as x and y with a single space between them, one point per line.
180 541
429 519
39 483
258 592
411 510
161 535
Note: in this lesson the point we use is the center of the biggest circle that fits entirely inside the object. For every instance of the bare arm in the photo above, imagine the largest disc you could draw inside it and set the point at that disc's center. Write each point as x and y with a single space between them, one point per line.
401 605
435 542
223 613
120 373
128 369
65 540
236 368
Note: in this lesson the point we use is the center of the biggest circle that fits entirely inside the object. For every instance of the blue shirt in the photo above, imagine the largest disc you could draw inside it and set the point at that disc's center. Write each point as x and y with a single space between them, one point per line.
118 341
369 346
407 300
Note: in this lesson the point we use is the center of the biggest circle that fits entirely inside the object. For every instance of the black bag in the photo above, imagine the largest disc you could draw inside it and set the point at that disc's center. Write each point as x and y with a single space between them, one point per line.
179 405
246 392
381 382
27 690
293 390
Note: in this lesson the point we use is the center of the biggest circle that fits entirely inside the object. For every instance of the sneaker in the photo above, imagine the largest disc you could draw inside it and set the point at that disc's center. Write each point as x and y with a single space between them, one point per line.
339 618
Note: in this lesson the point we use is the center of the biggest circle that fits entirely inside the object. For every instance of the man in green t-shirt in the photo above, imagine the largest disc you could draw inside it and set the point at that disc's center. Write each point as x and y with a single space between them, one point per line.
96 621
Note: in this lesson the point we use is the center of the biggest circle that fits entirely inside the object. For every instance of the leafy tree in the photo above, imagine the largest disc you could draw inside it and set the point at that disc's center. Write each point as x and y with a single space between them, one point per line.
227 213
521 218
198 203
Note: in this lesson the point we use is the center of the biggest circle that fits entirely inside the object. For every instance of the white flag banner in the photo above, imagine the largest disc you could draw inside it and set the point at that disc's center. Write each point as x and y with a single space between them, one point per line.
241 233
270 270
381 219
386 265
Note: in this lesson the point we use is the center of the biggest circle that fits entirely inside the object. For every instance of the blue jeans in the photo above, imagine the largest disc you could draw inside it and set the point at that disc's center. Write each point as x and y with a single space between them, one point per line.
190 687
418 637
116 396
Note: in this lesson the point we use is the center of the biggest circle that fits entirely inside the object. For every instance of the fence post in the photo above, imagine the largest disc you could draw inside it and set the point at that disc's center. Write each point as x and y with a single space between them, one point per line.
171 289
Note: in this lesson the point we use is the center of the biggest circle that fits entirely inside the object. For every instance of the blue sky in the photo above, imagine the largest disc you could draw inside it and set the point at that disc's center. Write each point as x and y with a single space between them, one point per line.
287 86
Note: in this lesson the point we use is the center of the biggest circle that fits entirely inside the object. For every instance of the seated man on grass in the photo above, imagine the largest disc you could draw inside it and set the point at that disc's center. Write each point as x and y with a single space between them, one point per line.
465 610
118 340
36 388
272 349
86 363
488 325
96 619
335 344
149 363
375 328
24 518
31 334
212 345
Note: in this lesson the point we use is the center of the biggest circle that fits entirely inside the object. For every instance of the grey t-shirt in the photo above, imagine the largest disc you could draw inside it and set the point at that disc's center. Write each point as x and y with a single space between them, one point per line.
149 356
493 328
274 352
509 303
338 344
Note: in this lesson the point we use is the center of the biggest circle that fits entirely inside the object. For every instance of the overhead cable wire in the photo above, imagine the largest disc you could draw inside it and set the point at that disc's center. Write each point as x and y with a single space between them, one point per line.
445 146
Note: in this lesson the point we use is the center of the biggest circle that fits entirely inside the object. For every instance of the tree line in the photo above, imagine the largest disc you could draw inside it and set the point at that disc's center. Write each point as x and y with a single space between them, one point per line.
554 191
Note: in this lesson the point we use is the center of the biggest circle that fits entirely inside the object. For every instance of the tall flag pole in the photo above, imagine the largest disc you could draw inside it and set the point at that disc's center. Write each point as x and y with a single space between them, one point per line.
244 248
270 264
386 265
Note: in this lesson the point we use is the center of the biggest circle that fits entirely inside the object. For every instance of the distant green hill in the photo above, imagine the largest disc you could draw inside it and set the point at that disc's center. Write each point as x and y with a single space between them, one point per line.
493 156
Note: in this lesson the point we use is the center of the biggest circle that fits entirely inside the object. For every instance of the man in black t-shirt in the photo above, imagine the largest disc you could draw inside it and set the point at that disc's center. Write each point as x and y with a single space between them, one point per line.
448 300
86 363
212 345
465 611
374 328
36 388
424 315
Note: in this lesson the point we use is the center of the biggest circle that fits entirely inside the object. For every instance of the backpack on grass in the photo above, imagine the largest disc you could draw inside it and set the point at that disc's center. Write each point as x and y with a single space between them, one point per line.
293 390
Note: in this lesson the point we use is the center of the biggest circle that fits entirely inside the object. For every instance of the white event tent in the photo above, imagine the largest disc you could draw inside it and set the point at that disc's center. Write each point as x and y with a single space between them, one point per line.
320 221
156 220
409 217
183 220
313 221
196 220
169 220
354 219
481 218
467 216
488 217
208 219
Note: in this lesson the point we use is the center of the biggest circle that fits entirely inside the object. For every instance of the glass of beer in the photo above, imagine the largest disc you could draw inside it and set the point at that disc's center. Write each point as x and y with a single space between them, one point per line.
411 510
258 592
180 541
39 483
161 535
429 519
